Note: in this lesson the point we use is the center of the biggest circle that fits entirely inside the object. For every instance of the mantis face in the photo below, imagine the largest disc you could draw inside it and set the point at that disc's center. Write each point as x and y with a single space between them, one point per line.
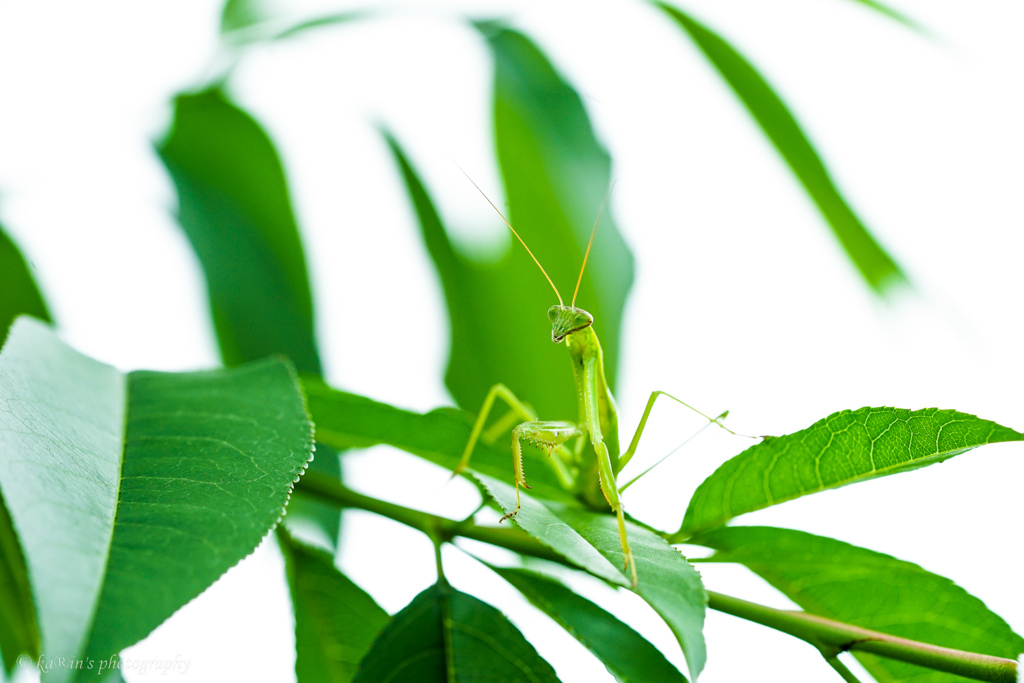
567 319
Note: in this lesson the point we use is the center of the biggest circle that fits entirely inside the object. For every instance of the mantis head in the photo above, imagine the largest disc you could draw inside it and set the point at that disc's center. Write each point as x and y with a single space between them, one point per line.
567 319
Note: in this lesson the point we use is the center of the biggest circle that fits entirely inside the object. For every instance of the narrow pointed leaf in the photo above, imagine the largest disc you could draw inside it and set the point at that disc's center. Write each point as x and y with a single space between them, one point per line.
858 586
626 654
779 125
249 21
844 448
235 209
893 14
18 291
346 420
445 636
336 621
324 21
556 175
666 581
130 494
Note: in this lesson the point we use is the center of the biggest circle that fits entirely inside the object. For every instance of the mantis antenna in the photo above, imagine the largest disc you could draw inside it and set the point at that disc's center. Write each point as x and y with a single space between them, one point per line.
593 232
562 303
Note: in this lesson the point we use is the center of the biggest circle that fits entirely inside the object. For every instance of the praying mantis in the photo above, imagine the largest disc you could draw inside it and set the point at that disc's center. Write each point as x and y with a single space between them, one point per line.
583 470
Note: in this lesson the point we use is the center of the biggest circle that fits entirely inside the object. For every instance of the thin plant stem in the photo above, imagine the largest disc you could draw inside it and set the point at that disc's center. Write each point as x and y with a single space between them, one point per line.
828 635
841 669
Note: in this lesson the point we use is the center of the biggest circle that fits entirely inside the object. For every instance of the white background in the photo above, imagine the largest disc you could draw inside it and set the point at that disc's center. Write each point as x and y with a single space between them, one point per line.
743 300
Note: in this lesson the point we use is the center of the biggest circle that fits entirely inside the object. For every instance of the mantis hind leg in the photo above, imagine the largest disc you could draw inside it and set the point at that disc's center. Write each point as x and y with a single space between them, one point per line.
631 451
611 494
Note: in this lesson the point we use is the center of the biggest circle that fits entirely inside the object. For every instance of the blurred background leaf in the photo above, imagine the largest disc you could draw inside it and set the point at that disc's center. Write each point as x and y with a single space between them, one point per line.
18 291
556 174
252 21
779 125
241 14
235 208
892 14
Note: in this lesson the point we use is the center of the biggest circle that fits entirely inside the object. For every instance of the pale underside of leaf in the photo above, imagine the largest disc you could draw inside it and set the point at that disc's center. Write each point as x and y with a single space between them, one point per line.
132 493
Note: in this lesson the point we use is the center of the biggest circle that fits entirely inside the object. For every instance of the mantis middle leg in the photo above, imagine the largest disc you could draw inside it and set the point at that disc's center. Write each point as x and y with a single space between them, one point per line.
548 435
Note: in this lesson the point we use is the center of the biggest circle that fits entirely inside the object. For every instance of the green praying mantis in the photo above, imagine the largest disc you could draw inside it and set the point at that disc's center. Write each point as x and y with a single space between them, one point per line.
595 461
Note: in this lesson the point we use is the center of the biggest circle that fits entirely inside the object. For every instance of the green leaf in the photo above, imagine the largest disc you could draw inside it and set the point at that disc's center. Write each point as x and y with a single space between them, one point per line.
346 420
18 291
844 448
556 175
235 209
19 633
868 589
336 621
131 494
626 654
590 540
778 124
450 637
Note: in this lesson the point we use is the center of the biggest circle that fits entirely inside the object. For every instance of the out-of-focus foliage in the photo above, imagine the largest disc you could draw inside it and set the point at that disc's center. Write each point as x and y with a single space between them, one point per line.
235 208
778 124
18 291
556 176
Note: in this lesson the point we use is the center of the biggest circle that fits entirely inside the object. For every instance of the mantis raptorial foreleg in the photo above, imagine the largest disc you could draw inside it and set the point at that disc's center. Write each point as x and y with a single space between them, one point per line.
549 436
